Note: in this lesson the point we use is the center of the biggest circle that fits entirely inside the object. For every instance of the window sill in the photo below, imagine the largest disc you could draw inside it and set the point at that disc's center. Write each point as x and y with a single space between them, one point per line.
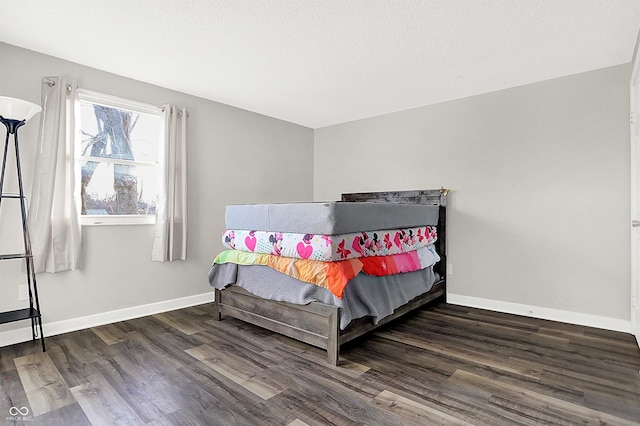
117 220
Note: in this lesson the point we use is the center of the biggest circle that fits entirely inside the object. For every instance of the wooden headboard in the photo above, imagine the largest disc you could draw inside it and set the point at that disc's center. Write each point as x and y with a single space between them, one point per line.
425 196
436 197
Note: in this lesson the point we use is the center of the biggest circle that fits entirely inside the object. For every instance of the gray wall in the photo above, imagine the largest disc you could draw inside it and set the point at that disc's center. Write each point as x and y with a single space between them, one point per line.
234 156
539 208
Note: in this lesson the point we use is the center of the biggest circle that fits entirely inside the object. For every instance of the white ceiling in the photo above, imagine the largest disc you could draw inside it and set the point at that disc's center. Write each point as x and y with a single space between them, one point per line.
323 62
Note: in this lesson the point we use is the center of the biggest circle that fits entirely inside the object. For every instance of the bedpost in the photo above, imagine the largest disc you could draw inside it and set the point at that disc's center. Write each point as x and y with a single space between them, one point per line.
333 335
216 305
442 238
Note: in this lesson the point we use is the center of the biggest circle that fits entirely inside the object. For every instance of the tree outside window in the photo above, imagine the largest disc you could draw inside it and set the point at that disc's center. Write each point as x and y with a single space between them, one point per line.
118 160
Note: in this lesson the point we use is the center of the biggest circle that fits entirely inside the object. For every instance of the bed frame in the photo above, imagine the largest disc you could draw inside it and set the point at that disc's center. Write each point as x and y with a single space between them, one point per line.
317 324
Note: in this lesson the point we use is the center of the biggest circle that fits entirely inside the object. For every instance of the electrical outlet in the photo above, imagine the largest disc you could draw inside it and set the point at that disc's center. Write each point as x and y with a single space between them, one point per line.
449 268
23 292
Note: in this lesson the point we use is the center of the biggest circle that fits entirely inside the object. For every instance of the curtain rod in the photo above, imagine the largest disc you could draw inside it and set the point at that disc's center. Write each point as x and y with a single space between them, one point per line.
52 83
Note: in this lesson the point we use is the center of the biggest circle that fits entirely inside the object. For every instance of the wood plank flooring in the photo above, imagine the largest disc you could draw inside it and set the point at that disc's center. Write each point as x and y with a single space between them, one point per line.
443 364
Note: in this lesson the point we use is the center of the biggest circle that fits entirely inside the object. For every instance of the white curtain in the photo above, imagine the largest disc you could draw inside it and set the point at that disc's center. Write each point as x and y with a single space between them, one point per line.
54 216
170 238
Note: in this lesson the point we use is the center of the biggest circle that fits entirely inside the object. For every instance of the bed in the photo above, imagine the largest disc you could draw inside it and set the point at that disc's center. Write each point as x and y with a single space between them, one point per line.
328 316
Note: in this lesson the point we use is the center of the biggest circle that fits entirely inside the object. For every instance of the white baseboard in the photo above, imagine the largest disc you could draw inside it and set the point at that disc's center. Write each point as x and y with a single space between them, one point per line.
19 335
577 318
11 337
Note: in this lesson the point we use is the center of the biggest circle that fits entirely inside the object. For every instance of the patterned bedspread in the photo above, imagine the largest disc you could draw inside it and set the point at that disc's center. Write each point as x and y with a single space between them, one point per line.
329 248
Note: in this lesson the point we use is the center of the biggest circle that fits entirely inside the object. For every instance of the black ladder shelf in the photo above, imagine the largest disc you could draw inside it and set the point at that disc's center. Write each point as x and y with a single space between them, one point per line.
33 311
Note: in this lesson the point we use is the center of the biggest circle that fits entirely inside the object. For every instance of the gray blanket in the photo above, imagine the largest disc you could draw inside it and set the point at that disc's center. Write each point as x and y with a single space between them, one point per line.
365 295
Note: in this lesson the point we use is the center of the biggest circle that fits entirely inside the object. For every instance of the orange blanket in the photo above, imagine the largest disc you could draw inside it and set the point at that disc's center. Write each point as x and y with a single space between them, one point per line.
334 276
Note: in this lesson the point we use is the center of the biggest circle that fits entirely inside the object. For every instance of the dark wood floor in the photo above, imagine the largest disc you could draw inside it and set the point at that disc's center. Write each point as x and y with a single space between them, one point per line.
441 365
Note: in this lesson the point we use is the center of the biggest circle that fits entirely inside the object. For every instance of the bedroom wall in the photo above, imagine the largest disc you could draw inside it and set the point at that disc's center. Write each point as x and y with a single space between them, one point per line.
538 215
234 156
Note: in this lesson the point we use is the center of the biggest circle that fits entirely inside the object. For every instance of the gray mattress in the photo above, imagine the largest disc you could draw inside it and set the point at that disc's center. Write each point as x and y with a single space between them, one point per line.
329 218
365 295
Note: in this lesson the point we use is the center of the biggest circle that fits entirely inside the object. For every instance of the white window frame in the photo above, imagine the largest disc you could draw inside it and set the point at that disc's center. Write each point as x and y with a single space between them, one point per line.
127 104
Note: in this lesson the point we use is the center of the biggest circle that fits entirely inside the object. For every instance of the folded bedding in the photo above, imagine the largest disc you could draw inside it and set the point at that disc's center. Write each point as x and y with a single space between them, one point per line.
329 248
334 276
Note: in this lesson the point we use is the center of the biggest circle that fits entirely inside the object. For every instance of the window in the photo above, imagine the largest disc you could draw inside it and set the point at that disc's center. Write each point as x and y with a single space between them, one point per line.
118 155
